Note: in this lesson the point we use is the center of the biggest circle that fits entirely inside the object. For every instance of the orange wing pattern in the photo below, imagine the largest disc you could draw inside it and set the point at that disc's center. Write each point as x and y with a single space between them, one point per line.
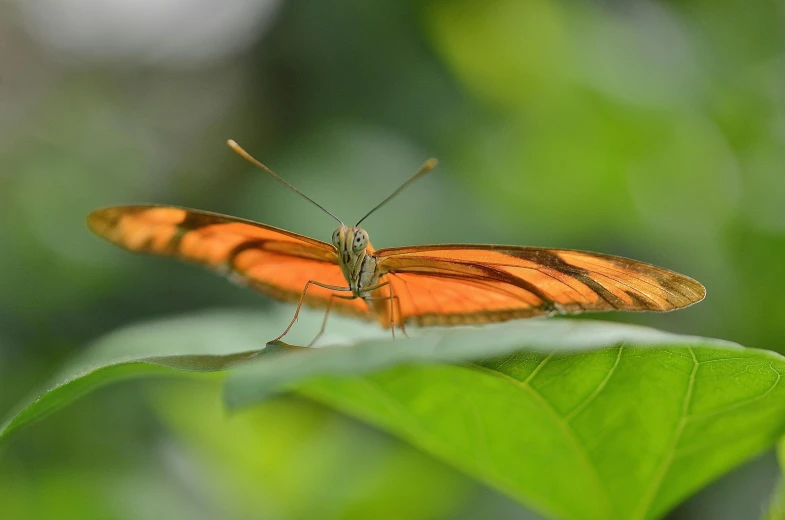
273 261
461 284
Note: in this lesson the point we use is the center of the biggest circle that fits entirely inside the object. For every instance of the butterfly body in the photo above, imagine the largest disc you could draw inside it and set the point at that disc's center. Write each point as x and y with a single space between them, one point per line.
356 260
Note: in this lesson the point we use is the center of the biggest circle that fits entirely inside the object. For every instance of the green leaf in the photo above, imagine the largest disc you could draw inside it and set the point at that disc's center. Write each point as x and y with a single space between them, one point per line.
203 342
583 420
578 419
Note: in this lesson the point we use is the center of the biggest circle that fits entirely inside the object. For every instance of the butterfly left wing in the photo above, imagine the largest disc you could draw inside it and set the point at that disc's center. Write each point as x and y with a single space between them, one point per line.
270 260
461 284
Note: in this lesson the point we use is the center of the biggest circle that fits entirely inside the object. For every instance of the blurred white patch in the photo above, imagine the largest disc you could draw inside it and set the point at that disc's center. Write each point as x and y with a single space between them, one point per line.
180 33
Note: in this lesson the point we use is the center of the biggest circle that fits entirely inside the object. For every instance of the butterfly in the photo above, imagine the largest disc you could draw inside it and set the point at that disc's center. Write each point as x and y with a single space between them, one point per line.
451 284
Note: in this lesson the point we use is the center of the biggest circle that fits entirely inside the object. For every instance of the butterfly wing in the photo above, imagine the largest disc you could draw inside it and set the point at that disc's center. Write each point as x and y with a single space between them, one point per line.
461 284
270 260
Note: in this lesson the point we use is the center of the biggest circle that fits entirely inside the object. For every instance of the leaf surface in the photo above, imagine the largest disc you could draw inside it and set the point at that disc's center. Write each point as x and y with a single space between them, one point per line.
579 419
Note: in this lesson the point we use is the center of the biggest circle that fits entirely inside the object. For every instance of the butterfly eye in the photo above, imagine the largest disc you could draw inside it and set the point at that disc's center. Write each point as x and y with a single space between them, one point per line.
337 238
360 240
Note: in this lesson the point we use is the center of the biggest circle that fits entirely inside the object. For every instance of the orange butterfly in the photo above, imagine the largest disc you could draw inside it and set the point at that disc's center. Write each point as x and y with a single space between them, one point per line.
449 284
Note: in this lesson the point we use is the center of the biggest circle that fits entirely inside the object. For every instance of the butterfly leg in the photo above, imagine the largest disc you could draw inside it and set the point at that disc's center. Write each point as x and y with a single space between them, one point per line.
400 315
302 298
392 309
393 299
327 313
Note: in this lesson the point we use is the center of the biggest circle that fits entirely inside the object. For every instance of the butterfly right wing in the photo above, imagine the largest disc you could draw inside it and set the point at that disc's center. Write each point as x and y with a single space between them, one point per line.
270 260
460 284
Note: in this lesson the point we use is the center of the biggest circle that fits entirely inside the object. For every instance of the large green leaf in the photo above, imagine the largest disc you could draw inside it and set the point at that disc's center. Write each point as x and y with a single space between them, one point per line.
579 419
585 420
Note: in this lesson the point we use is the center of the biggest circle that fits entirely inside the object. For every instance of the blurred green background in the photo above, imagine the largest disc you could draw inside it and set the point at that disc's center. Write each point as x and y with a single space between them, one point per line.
654 130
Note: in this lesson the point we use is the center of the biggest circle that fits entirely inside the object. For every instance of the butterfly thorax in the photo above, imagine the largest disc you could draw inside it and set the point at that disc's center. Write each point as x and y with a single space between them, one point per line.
356 259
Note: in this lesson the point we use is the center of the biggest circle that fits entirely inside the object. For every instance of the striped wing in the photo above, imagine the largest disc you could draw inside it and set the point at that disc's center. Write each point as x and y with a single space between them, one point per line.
460 284
270 260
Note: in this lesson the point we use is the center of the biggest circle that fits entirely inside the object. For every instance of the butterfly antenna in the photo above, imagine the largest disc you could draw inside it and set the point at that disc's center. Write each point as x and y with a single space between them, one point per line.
248 157
427 166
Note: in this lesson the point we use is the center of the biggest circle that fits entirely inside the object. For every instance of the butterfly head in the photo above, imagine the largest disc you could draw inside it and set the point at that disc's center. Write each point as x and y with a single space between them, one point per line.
350 241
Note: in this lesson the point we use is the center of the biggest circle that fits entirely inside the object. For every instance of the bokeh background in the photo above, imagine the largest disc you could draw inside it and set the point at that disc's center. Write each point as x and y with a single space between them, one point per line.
649 129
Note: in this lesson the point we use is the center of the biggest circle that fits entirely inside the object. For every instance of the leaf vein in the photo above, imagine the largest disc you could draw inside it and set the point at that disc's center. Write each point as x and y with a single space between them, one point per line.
670 451
566 428
586 402
739 404
537 369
